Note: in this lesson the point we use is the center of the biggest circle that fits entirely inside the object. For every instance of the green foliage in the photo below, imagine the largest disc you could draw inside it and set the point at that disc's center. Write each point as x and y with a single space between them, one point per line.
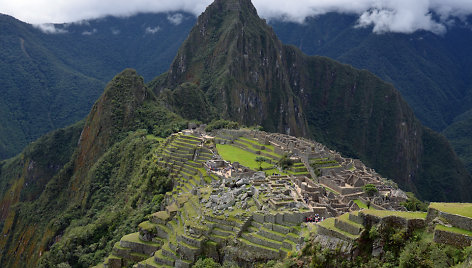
458 134
188 101
370 189
219 124
422 254
285 162
50 81
399 250
414 204
125 186
260 160
206 263
443 170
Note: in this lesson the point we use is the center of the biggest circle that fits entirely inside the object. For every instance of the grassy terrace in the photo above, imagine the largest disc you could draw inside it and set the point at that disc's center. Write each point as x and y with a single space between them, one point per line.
234 154
453 230
297 173
402 214
360 204
269 148
329 224
134 237
152 137
454 208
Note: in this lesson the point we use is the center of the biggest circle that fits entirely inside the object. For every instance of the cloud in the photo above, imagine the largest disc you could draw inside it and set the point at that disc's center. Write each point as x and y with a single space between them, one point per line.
50 28
152 30
383 15
175 19
89 32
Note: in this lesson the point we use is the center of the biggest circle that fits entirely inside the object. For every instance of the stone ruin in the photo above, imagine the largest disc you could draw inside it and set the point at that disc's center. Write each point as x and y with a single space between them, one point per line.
330 192
225 210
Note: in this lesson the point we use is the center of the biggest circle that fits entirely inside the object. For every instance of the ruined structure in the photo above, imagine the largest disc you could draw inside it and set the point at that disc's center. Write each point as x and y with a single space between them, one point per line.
226 211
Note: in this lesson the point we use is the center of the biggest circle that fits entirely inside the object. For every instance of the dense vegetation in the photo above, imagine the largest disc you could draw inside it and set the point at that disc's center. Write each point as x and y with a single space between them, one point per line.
79 195
399 249
125 186
70 69
432 72
50 81
65 189
459 135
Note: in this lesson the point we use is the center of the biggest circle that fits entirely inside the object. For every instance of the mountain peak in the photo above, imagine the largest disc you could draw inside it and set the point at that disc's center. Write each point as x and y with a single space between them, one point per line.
234 5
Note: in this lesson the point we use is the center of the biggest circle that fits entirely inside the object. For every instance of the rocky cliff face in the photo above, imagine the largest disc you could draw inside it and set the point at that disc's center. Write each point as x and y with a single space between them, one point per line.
236 60
111 116
246 74
58 178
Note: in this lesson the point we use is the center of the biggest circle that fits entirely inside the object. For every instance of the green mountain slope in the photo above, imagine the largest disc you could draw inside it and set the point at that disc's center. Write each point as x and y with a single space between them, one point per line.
39 92
85 183
50 81
94 181
247 75
431 71
459 135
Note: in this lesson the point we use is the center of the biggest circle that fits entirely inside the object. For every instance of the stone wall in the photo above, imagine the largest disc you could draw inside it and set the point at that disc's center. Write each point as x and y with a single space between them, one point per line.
328 232
285 219
450 238
455 220
354 230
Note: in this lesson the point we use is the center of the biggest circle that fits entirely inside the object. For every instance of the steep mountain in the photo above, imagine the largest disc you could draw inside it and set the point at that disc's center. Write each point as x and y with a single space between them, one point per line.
50 80
87 182
431 71
72 194
39 92
458 133
246 74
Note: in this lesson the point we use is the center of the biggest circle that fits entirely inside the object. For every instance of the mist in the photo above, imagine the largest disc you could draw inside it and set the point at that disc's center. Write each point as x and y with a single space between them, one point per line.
403 16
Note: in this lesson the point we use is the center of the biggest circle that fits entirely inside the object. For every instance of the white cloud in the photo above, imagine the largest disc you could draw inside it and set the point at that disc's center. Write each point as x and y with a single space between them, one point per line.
175 19
152 30
384 15
401 16
89 32
49 28
115 31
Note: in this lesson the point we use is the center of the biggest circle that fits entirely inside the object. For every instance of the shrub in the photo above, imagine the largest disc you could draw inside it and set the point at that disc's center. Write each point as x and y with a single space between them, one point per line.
206 263
414 204
219 124
422 254
370 189
285 162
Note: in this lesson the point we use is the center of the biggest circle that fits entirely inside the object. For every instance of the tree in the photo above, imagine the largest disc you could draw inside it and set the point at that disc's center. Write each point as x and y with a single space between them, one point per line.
370 189
414 204
260 160
285 162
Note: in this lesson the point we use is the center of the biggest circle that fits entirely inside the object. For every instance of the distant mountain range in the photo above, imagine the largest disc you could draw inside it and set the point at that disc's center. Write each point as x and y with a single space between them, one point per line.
68 197
432 72
50 80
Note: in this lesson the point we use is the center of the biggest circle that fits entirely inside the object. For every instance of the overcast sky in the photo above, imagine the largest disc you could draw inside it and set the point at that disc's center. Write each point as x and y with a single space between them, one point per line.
385 15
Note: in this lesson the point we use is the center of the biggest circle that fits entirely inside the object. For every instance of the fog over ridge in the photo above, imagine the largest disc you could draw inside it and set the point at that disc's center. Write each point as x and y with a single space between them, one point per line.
405 16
